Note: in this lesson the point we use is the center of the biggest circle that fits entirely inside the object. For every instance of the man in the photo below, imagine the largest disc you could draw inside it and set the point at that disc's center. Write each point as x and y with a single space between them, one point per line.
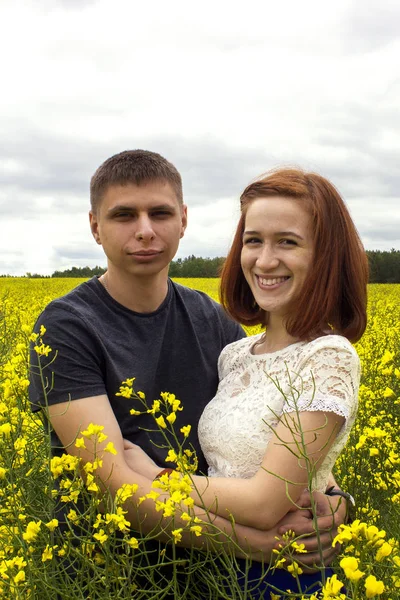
135 322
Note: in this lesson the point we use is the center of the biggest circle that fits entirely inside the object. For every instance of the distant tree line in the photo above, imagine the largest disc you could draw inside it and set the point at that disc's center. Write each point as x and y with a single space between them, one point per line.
196 267
80 272
384 267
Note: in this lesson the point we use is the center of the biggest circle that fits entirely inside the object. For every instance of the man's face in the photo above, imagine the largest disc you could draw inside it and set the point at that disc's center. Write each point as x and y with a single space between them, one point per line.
139 227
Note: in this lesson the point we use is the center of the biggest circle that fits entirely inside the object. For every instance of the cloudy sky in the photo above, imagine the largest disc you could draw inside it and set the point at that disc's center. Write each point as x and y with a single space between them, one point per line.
224 90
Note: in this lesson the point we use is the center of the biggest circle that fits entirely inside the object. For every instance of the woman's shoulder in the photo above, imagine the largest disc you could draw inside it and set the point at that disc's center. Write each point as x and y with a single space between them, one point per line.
334 341
243 345
330 349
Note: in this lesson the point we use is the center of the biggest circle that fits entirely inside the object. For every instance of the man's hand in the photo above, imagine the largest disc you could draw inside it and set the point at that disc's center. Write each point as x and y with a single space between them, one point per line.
139 461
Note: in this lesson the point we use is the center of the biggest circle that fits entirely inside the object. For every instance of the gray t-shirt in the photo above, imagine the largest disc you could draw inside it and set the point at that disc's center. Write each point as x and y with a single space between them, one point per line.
100 343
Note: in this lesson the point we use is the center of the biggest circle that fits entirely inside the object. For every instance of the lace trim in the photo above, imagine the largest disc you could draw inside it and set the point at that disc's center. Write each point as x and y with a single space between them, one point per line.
235 427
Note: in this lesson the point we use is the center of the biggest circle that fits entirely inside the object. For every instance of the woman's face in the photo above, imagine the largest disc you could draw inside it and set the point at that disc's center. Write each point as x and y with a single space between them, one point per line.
277 251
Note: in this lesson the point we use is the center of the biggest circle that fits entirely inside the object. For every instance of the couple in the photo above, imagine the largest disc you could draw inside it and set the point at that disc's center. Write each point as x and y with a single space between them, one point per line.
296 265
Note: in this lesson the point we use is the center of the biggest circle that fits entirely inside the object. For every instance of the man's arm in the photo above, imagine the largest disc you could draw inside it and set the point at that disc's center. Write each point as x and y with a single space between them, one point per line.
70 418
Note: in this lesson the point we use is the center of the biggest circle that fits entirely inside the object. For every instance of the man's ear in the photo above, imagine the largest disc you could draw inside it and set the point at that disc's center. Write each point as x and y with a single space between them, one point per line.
184 219
94 227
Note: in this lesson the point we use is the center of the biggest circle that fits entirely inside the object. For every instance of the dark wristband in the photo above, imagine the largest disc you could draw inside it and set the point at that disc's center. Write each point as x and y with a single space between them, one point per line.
332 491
164 472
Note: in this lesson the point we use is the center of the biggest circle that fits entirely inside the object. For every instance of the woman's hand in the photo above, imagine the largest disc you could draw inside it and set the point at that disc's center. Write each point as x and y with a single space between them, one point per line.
329 512
139 461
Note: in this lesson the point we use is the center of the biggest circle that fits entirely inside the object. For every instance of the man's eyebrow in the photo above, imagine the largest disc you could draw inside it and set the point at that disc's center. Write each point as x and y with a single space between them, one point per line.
127 208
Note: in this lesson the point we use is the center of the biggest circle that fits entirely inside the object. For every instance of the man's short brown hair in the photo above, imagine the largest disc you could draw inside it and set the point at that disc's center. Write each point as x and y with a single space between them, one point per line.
136 167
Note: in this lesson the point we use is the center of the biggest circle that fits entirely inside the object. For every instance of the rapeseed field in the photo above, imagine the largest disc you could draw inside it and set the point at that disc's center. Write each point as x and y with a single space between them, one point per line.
96 556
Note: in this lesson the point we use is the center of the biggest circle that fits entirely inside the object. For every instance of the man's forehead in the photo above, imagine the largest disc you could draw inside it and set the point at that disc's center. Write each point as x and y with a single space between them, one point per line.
151 195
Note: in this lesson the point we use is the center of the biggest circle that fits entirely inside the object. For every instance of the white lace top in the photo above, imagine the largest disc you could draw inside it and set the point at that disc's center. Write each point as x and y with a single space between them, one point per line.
232 429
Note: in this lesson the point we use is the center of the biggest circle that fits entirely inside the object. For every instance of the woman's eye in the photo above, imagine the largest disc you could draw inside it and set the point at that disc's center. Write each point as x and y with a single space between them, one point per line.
252 240
286 242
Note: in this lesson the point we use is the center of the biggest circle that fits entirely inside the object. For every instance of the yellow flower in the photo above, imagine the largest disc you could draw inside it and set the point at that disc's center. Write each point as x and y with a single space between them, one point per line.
155 408
186 430
388 393
110 448
19 577
133 543
186 517
47 553
332 588
73 516
373 587
383 551
161 422
101 536
349 565
32 530
91 484
80 443
171 456
5 429
294 569
171 418
127 490
177 533
125 392
153 495
42 350
298 548
94 430
52 524
196 529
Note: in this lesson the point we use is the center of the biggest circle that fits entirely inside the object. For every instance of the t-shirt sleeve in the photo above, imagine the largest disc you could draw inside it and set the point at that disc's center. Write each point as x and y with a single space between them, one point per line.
327 380
232 331
72 369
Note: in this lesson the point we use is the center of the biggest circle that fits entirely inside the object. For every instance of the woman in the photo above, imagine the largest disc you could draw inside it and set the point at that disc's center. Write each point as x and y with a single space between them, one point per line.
298 267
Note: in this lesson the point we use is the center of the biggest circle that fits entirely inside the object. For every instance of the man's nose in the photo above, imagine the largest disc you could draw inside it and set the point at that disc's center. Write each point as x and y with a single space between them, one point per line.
144 228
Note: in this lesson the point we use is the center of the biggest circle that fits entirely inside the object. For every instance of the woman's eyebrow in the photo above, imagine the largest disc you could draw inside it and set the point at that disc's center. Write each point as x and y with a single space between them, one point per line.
277 233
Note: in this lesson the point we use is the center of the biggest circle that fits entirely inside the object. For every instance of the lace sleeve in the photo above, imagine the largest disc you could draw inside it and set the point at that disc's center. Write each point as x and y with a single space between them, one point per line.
327 379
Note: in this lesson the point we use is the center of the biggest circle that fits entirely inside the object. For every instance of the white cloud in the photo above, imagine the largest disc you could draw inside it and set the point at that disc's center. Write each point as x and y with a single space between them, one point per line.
224 90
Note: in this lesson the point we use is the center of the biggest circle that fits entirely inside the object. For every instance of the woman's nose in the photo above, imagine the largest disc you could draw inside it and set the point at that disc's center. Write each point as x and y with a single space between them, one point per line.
267 259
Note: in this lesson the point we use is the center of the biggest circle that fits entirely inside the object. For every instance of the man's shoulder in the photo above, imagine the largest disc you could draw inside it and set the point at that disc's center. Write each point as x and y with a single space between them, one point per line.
193 295
80 300
200 303
207 314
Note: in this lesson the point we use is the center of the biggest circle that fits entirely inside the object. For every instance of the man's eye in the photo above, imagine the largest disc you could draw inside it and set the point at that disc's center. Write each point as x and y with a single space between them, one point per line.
161 213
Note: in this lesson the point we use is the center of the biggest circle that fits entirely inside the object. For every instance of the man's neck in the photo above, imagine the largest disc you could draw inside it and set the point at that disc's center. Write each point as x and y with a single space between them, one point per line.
140 294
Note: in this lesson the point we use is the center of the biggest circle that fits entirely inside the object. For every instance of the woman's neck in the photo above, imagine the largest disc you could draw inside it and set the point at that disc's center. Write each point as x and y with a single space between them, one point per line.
275 338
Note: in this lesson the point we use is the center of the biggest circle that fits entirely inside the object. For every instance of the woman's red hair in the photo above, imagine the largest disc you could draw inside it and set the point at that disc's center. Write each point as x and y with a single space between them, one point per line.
335 292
